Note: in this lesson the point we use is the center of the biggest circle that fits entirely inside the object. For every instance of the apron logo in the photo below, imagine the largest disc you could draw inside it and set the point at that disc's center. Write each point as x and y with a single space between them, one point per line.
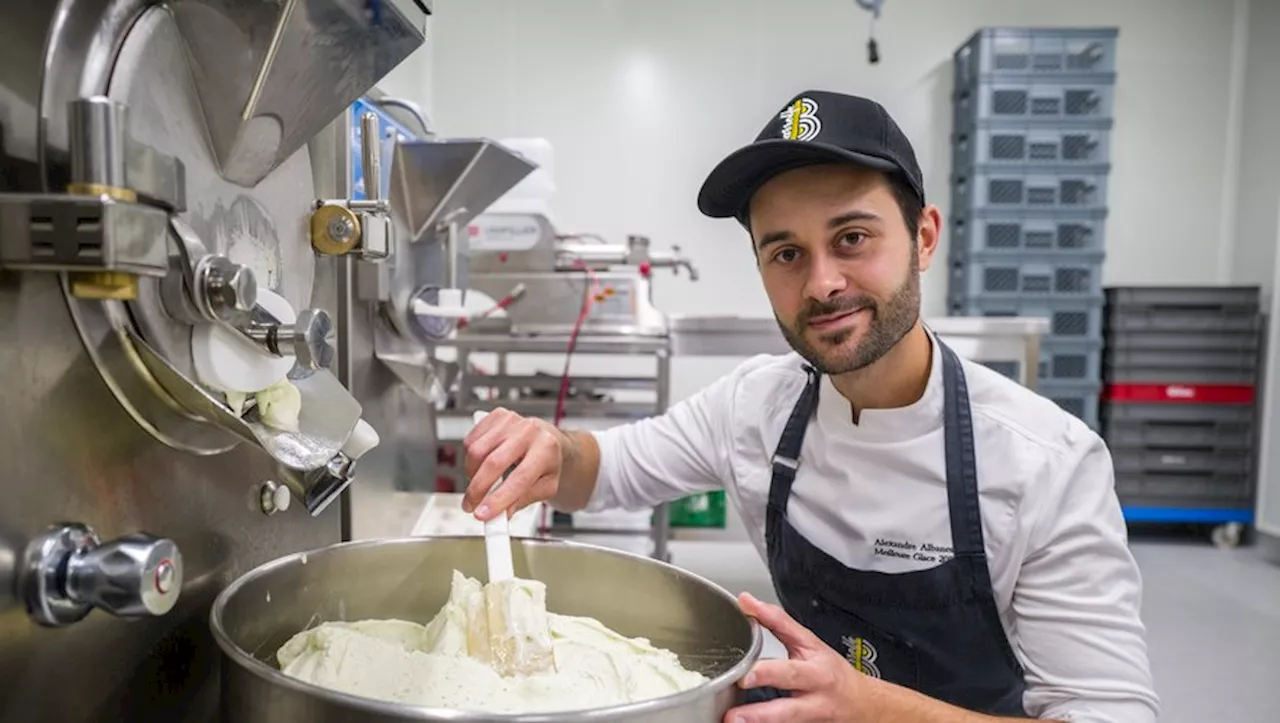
800 120
861 654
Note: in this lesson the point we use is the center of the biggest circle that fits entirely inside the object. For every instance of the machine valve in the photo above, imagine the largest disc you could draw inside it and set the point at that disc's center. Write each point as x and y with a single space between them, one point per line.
67 572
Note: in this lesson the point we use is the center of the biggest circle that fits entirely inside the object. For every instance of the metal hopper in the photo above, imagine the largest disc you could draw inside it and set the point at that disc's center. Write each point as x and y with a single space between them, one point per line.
270 75
434 181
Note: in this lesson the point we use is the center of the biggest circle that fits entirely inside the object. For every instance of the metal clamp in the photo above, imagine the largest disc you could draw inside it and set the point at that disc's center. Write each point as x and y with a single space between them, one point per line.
67 571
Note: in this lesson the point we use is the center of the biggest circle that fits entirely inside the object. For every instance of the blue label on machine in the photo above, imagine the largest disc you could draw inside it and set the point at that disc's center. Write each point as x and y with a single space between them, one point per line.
391 132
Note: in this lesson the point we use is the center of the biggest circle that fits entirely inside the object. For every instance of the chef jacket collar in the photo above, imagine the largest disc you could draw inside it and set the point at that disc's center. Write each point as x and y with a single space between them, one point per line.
835 415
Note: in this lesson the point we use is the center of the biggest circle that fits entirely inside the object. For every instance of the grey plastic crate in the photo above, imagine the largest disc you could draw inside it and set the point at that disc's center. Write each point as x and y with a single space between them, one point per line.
1128 460
1186 435
1001 146
1048 52
1245 342
1122 320
1069 318
1171 413
1033 101
1025 276
1201 299
1182 490
1046 231
1028 192
1160 374
1191 359
1078 398
1071 361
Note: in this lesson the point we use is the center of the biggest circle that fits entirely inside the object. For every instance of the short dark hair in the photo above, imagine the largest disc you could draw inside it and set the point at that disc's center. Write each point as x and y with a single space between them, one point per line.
910 204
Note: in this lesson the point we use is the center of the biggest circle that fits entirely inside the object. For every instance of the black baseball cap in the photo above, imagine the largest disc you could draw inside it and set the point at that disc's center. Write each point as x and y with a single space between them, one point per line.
814 127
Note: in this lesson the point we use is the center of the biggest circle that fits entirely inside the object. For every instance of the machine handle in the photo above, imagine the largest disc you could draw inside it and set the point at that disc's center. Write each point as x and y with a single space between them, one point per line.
133 576
311 335
67 571
371 156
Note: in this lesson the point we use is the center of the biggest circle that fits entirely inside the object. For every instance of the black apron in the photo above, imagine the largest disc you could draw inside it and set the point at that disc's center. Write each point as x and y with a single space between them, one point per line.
936 631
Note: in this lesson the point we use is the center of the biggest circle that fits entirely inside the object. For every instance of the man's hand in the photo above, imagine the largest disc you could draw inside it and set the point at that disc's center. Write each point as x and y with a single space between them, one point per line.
823 686
504 439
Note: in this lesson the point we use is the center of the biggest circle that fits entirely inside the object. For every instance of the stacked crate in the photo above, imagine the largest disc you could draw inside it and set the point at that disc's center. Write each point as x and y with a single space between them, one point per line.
1031 155
1181 369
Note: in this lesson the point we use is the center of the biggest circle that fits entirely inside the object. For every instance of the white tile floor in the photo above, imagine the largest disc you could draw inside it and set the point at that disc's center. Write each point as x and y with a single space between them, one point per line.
1213 620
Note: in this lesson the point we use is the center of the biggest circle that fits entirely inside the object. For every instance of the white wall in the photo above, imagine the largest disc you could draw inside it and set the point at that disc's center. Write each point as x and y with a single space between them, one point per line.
1258 187
641 99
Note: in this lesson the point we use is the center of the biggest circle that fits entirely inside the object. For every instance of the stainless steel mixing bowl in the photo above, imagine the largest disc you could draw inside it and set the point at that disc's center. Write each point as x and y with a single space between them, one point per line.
409 579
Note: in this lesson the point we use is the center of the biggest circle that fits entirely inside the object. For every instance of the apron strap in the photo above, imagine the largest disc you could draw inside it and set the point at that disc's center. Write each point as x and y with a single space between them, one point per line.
786 457
962 467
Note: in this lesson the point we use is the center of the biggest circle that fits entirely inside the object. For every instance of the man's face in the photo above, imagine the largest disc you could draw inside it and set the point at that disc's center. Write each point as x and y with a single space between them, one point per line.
839 264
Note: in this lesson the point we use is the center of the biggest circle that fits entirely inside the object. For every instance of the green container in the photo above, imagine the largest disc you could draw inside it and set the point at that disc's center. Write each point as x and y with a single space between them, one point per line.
706 509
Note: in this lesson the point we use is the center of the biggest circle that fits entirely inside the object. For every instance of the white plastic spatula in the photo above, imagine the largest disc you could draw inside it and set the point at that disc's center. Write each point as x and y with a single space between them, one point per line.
513 632
497 535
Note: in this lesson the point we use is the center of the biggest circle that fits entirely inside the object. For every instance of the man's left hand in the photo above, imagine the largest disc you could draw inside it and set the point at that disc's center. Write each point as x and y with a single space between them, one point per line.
823 686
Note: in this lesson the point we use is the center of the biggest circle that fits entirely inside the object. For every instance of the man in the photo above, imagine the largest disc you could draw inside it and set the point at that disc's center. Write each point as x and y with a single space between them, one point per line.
946 545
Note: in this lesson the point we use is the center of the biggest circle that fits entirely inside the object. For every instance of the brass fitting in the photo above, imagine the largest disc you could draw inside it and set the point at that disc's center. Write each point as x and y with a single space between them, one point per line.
335 230
102 285
97 189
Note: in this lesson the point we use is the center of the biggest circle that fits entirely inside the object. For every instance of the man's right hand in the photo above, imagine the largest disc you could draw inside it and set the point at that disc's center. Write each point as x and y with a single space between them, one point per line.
504 439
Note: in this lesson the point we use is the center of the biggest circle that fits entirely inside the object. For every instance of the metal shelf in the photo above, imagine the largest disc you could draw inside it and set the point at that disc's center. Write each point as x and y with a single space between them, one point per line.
493 337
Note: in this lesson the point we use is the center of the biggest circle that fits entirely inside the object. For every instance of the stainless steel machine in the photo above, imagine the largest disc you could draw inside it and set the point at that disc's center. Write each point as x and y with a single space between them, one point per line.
548 279
386 348
172 247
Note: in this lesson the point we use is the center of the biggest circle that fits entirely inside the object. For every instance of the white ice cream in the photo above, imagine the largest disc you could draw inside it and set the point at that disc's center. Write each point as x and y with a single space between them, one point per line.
279 405
430 665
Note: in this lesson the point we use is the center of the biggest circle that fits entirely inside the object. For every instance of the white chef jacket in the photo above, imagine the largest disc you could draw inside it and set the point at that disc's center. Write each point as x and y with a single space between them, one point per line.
873 495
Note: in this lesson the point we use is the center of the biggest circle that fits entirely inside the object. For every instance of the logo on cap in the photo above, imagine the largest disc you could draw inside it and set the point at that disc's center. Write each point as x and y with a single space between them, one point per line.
800 120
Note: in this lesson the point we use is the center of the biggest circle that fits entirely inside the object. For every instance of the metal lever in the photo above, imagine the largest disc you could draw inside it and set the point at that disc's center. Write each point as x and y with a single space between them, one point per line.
309 338
67 572
371 156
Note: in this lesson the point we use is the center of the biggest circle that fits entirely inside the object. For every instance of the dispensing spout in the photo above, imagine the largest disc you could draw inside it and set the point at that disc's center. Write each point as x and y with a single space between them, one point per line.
321 486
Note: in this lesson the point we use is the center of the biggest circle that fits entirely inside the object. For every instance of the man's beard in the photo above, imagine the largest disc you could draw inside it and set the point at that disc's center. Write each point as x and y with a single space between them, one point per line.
890 322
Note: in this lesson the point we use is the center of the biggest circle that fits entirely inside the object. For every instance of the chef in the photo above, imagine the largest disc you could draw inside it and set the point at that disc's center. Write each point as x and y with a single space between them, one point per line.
946 545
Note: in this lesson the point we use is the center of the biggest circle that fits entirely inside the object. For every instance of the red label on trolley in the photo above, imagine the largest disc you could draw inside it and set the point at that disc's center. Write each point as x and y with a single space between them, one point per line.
1183 393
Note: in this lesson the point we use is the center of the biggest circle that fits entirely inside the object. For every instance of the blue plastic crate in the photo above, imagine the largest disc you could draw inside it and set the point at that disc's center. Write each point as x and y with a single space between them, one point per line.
1069 318
1077 398
1014 191
1076 360
1041 52
1037 103
1026 275
1065 231
1016 145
